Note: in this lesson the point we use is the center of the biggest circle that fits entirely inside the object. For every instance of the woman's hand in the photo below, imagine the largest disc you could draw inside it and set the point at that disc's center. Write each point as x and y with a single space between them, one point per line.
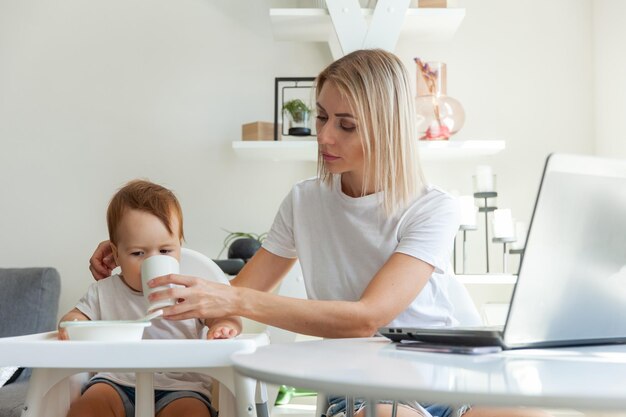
197 298
102 263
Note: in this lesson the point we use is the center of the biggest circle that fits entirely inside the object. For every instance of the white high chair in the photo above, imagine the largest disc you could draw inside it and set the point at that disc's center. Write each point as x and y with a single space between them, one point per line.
51 389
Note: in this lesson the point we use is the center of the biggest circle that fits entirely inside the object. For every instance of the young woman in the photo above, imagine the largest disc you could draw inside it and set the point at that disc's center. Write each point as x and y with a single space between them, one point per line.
373 239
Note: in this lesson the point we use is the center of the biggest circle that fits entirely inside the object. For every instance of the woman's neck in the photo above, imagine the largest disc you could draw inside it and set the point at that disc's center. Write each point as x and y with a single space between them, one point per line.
352 185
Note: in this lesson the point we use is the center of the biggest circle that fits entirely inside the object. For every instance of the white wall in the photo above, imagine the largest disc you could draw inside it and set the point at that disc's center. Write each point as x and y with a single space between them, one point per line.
523 71
609 77
94 93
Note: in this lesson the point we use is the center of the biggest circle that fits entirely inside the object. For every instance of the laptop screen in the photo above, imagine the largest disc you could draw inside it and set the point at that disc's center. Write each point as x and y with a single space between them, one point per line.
572 281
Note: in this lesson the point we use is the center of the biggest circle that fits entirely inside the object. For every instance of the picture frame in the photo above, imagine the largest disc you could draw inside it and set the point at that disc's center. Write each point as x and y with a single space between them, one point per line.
290 122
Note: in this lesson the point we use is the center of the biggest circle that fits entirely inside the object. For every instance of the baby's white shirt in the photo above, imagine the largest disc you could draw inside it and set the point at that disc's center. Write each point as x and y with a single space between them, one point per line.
112 299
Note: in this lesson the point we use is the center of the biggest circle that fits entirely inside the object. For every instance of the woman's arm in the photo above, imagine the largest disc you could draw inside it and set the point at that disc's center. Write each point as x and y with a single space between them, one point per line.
389 293
204 299
391 290
263 272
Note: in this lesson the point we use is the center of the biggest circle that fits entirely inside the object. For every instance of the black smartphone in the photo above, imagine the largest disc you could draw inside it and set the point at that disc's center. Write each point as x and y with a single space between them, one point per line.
439 348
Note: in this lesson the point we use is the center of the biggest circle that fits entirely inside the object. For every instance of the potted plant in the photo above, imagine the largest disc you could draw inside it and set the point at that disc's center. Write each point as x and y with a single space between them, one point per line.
241 247
299 117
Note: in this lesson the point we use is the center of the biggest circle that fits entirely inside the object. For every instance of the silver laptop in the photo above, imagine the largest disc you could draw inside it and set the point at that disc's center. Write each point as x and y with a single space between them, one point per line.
571 288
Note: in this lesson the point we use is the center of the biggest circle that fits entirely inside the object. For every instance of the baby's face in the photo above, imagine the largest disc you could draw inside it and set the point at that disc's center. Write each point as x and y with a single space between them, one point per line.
140 236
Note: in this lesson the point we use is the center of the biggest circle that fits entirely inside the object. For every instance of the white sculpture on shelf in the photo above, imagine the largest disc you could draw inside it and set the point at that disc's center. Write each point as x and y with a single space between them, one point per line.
352 31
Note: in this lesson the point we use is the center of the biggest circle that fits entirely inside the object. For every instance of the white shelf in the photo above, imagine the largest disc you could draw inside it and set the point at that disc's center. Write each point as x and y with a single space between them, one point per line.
315 25
459 149
488 279
307 150
281 150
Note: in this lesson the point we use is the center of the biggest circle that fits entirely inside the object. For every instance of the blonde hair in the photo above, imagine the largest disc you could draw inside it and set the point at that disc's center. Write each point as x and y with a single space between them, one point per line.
376 84
148 197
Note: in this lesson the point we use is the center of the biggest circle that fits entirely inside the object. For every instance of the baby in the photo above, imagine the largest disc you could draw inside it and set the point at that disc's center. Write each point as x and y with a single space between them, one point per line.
144 219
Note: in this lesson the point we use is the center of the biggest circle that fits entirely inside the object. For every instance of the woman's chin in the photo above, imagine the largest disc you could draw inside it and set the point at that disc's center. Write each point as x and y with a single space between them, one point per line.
334 169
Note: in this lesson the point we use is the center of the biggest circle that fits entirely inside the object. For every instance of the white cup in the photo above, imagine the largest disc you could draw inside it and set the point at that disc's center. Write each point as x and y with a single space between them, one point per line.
156 266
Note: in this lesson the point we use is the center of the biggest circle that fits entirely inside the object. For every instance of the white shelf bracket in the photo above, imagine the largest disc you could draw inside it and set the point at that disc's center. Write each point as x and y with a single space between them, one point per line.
349 23
352 31
334 46
384 29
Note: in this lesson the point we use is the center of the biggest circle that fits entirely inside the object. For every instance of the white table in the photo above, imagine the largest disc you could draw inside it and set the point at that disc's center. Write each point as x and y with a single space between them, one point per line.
577 378
53 360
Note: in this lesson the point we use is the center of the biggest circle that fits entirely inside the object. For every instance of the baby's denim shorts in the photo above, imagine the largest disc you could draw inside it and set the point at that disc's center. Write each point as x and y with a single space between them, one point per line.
161 397
337 407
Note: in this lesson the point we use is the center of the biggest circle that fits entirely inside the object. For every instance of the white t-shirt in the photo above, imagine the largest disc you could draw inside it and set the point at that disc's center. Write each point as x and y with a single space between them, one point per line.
112 299
342 242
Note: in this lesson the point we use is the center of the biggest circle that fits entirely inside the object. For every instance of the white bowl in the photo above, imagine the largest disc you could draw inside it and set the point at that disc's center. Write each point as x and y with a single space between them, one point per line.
105 330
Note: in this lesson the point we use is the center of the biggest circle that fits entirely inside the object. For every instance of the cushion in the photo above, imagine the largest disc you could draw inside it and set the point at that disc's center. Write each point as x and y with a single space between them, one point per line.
29 300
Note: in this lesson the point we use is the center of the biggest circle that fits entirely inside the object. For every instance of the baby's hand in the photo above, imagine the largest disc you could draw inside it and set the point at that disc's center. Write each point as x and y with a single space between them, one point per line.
62 333
221 332
73 315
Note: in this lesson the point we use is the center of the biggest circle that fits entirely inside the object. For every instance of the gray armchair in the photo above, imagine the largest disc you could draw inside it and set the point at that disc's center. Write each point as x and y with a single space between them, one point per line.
29 301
